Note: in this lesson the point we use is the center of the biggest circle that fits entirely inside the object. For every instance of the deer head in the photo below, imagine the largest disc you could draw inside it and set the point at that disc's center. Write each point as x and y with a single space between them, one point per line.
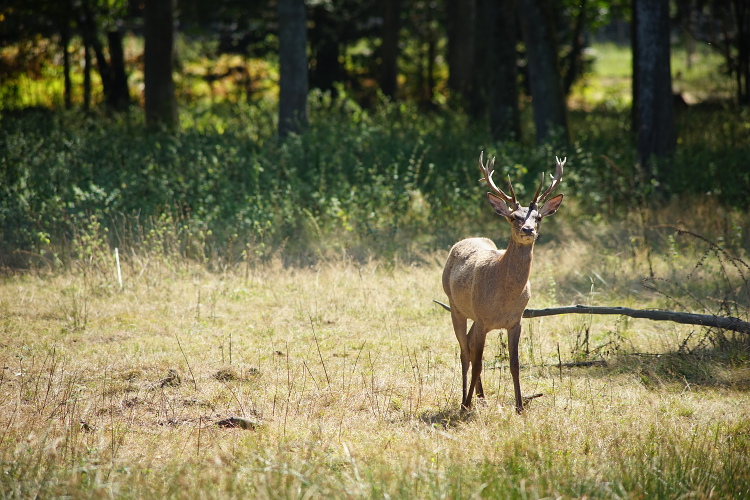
524 221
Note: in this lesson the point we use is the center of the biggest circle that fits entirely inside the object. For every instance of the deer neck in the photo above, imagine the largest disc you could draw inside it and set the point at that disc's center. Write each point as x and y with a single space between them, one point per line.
516 265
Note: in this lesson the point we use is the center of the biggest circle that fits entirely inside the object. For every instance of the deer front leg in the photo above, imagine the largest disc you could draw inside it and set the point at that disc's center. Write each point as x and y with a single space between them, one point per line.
459 328
480 389
476 349
514 334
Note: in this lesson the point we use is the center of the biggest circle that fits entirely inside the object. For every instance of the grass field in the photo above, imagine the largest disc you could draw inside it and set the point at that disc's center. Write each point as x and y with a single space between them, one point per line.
346 379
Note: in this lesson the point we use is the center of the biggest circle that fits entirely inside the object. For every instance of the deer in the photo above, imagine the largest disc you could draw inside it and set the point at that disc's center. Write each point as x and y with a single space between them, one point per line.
491 286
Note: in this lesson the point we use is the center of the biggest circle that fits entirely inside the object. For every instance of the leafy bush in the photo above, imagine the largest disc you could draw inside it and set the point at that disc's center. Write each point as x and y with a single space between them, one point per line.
379 181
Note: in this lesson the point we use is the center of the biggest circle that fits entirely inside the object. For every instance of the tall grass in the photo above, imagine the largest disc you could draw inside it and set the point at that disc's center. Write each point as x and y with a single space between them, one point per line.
347 377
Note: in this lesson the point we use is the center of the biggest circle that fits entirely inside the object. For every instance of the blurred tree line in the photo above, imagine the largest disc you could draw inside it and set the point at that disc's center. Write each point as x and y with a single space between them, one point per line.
478 56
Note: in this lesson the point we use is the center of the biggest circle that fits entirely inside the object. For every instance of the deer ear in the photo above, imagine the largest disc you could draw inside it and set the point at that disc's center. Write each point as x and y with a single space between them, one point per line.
551 206
498 205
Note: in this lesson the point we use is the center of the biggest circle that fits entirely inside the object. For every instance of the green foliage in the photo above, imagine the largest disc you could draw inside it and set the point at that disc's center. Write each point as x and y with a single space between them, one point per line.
363 182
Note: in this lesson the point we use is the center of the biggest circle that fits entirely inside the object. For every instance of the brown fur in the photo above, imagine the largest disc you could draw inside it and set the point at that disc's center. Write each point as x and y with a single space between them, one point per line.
491 287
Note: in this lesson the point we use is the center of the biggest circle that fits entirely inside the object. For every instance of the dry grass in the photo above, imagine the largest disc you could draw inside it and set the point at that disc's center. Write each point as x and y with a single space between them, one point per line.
346 378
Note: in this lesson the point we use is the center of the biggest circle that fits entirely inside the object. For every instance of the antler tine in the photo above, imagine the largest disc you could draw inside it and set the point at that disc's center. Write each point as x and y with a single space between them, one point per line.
488 170
555 181
512 192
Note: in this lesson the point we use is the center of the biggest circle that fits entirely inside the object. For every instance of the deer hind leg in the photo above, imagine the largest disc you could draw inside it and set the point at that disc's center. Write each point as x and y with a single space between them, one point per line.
480 389
459 328
476 349
514 334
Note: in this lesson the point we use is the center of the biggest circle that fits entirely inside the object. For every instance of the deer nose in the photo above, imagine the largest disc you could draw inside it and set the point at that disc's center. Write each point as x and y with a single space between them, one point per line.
527 230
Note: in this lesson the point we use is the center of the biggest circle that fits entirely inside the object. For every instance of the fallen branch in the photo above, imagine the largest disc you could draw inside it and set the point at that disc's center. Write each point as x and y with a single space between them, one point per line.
723 322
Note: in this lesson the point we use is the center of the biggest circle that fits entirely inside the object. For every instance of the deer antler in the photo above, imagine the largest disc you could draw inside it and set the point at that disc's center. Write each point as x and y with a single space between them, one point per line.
488 170
555 182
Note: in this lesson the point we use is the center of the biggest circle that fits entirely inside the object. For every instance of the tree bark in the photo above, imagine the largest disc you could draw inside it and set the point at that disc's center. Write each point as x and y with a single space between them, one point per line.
656 133
325 68
391 11
461 24
574 59
65 43
723 322
158 27
86 76
293 78
742 19
496 76
90 34
550 111
119 96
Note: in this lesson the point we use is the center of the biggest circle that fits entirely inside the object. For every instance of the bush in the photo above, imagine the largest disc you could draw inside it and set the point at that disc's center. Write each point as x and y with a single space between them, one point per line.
380 181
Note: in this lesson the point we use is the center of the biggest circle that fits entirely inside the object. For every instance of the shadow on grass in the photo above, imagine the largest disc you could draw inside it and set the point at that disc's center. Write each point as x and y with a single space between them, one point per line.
720 360
448 418
713 367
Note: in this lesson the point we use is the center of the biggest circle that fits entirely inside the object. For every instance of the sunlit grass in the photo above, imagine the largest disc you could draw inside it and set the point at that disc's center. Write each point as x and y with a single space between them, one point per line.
349 376
698 77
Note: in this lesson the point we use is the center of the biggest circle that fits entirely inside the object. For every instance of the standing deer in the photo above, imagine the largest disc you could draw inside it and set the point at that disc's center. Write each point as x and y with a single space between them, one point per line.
491 286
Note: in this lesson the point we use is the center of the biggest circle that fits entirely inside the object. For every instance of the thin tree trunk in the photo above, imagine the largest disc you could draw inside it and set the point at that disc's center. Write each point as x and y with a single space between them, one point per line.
634 42
119 96
65 42
325 50
496 76
461 22
293 78
656 132
550 111
86 76
574 66
742 18
90 34
431 55
391 10
158 28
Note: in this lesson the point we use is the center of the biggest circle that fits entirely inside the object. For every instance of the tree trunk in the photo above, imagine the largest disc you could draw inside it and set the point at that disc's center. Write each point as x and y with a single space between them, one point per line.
391 11
461 24
158 28
86 77
65 42
742 18
550 111
293 79
119 96
653 84
574 59
90 35
496 76
636 71
432 41
325 68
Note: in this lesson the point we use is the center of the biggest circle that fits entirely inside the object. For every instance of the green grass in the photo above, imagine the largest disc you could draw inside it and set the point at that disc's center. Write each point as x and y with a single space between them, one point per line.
351 374
698 77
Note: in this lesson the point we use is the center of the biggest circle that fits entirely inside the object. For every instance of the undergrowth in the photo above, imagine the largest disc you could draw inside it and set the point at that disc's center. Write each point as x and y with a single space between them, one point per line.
380 182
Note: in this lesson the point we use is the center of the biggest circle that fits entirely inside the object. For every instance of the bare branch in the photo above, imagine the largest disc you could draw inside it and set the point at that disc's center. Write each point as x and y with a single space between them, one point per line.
724 322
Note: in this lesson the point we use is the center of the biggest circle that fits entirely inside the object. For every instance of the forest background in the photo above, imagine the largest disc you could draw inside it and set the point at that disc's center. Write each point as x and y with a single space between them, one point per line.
222 225
404 96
